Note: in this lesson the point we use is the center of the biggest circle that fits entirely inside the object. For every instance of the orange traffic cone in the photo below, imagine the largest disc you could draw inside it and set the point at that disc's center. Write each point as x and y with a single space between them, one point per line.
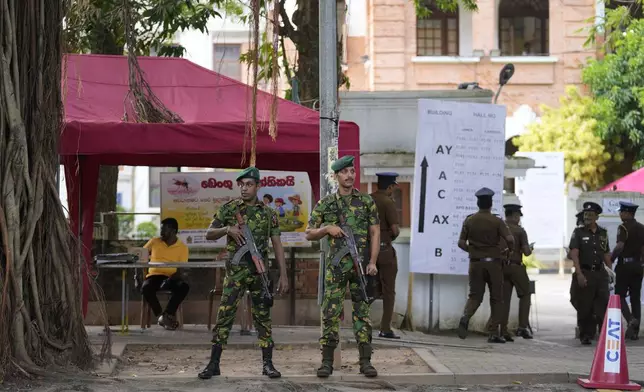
610 366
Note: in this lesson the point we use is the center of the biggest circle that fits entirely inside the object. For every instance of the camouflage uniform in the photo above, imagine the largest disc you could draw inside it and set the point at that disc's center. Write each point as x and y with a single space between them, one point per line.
263 223
241 276
360 212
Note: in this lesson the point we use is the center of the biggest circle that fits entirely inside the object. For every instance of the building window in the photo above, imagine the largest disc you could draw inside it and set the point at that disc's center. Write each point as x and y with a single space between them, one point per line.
401 200
437 34
155 184
226 60
524 27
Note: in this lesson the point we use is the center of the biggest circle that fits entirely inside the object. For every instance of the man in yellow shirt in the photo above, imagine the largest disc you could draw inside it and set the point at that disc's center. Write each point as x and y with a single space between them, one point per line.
166 249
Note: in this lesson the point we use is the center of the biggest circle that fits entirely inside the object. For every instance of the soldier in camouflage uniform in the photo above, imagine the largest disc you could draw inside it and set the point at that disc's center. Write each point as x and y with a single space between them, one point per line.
360 213
263 223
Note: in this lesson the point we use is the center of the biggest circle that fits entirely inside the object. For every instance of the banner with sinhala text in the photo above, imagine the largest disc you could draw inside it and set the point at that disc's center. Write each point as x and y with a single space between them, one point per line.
193 199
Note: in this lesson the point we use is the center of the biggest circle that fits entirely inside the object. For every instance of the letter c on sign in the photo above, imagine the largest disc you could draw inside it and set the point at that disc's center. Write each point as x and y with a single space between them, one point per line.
440 194
610 358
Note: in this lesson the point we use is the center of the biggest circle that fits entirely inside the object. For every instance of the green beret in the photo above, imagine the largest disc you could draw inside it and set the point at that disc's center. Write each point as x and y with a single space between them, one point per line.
249 172
341 163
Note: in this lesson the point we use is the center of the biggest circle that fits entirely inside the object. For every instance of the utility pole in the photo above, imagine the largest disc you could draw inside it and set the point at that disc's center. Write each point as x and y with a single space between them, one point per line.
329 120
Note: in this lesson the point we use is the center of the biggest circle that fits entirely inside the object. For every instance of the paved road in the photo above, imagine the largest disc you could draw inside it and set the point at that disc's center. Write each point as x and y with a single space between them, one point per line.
280 386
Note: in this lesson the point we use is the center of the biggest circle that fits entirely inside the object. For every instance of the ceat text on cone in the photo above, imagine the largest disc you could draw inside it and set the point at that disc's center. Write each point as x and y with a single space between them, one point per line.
610 366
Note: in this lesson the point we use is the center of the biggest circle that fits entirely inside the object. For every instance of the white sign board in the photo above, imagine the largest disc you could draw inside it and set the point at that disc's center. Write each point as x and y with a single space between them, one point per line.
610 206
542 195
460 148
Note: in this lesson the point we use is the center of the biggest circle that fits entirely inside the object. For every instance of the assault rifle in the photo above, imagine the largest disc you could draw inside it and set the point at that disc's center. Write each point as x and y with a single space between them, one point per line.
251 248
351 248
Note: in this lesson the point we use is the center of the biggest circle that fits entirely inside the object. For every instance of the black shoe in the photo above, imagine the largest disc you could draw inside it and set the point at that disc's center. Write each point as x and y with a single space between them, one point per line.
462 327
586 341
168 322
632 331
524 333
508 337
388 335
212 369
495 339
267 358
326 369
366 367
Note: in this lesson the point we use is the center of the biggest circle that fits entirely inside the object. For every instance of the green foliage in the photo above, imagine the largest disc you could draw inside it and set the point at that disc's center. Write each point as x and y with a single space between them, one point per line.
617 85
126 222
422 6
615 20
147 230
96 26
572 128
531 262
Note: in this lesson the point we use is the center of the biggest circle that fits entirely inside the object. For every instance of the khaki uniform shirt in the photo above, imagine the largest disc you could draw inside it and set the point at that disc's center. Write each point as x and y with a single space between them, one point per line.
631 233
483 233
520 241
387 214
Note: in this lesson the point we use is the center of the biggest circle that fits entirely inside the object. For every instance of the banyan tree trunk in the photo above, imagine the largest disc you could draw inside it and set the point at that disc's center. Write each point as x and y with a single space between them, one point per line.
41 320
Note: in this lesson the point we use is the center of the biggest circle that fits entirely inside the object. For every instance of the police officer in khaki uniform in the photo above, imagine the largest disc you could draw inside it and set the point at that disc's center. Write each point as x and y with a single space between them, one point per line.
480 237
589 251
387 263
515 274
630 252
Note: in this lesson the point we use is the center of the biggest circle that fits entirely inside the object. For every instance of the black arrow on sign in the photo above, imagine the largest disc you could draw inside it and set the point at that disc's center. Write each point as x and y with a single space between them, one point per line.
423 194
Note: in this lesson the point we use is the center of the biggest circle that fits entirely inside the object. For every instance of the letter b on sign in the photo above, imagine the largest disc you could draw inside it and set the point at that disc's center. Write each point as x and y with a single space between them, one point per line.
438 252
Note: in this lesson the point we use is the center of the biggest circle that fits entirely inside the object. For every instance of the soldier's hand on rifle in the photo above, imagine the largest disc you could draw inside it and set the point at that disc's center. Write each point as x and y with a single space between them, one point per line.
372 269
335 231
235 233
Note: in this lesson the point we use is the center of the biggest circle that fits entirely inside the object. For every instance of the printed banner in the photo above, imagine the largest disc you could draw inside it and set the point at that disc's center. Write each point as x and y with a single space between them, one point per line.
459 149
193 199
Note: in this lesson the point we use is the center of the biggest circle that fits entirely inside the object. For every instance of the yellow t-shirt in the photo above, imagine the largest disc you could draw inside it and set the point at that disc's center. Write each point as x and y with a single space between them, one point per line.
160 252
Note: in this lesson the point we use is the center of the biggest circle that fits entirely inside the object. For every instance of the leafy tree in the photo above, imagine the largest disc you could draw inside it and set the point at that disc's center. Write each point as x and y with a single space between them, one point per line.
147 230
302 29
126 222
616 83
573 129
97 27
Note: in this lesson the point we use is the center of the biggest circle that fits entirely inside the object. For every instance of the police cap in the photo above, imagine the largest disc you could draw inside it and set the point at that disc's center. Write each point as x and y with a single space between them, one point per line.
592 206
387 178
484 192
342 163
628 207
249 172
511 208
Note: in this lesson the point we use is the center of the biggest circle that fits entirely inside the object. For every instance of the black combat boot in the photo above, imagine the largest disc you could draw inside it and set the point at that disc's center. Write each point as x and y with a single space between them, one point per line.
327 362
524 333
462 327
494 338
508 337
366 367
212 369
267 368
633 330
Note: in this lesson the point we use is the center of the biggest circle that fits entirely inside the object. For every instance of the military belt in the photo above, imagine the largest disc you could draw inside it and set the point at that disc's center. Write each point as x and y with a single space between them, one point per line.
630 259
594 267
385 244
474 259
515 262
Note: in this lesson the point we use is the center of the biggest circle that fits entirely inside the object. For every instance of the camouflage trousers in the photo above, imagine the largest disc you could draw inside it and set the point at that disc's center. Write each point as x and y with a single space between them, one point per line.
239 279
335 286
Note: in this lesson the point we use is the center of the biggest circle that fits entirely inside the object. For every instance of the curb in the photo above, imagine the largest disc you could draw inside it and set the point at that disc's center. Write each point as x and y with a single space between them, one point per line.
418 378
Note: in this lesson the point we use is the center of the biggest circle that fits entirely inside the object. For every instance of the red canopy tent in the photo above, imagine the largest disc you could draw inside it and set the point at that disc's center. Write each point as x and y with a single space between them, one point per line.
633 182
215 110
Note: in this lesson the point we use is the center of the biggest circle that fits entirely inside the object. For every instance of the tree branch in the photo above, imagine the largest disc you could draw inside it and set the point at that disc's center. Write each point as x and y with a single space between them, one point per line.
287 28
